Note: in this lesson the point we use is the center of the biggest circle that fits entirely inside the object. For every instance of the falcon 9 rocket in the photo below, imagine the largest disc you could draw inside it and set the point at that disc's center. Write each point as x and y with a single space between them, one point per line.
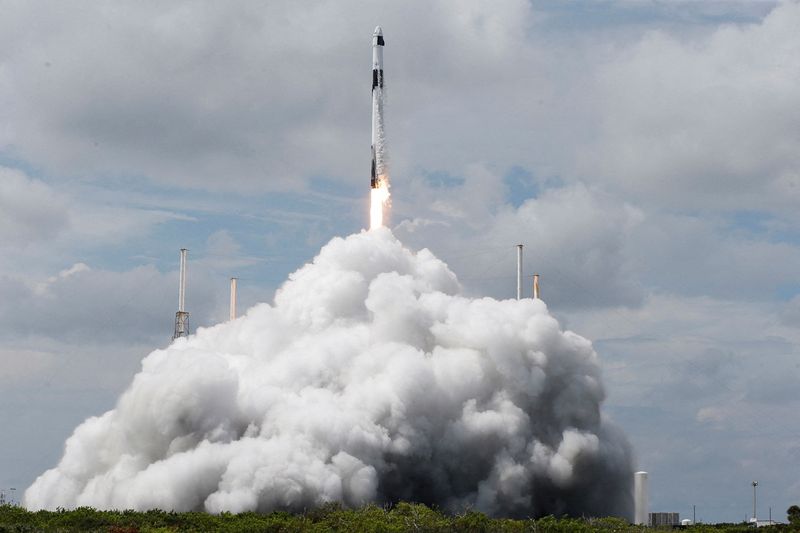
378 163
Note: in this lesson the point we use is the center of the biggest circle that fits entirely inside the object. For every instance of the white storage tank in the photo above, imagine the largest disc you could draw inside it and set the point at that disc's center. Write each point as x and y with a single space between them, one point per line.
640 517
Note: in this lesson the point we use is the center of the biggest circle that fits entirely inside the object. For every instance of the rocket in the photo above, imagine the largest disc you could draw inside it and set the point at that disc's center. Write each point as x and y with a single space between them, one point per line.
377 108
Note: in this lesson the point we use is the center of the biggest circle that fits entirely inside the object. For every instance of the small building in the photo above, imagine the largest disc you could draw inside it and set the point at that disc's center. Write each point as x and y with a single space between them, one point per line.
763 522
664 519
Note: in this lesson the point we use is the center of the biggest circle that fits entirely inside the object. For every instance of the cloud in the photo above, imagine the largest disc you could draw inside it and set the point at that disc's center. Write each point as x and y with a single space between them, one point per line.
714 415
83 304
704 121
657 149
790 314
575 237
702 386
30 210
245 98
242 98
697 254
20 365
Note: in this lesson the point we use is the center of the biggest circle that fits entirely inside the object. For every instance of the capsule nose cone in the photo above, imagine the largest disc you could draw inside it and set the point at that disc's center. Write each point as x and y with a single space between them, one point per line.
378 31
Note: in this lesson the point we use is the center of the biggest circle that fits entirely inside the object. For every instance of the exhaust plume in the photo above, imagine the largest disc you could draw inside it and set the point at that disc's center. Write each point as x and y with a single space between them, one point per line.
370 379
378 202
379 193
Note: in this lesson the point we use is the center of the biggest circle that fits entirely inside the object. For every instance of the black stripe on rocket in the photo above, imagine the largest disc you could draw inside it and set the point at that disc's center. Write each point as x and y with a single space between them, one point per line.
373 183
377 81
377 78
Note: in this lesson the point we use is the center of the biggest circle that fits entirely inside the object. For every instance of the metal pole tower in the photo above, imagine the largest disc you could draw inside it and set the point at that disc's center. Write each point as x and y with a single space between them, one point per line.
755 484
233 298
182 317
519 272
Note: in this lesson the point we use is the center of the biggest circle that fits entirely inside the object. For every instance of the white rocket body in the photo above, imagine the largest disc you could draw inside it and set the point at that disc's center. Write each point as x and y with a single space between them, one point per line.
378 164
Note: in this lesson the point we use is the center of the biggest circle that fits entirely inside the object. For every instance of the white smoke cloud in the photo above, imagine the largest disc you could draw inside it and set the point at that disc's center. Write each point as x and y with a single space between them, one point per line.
369 379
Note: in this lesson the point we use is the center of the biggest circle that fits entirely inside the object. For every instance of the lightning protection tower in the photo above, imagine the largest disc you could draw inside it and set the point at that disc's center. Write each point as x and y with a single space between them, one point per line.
233 298
519 272
182 317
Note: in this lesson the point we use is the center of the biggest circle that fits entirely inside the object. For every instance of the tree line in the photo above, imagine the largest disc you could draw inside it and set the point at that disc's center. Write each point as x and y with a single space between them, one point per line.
401 517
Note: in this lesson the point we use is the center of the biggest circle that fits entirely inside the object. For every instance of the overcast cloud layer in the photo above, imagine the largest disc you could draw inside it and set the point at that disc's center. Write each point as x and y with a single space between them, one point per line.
645 154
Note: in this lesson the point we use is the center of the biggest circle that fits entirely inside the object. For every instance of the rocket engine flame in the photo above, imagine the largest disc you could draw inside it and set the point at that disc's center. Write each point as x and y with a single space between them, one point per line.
370 379
379 202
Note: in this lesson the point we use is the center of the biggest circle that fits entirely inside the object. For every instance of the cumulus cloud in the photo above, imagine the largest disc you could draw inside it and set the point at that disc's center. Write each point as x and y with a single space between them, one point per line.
705 120
370 379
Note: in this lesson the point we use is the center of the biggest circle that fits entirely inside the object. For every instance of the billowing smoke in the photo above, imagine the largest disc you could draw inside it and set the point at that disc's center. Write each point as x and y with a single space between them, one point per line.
369 380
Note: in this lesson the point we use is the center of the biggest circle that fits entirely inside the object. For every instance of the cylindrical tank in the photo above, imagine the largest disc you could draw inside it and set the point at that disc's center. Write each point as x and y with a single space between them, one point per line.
640 499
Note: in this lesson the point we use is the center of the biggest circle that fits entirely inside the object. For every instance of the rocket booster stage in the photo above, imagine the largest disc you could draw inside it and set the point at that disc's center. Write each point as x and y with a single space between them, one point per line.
378 165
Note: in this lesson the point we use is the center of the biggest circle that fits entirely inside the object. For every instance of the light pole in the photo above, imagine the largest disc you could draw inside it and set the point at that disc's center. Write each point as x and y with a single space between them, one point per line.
755 484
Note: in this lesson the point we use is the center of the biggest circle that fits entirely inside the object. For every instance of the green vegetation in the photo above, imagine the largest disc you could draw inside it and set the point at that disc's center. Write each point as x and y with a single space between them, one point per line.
793 515
401 517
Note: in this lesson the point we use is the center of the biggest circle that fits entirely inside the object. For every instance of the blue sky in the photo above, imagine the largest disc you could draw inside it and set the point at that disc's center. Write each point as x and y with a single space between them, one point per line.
646 153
